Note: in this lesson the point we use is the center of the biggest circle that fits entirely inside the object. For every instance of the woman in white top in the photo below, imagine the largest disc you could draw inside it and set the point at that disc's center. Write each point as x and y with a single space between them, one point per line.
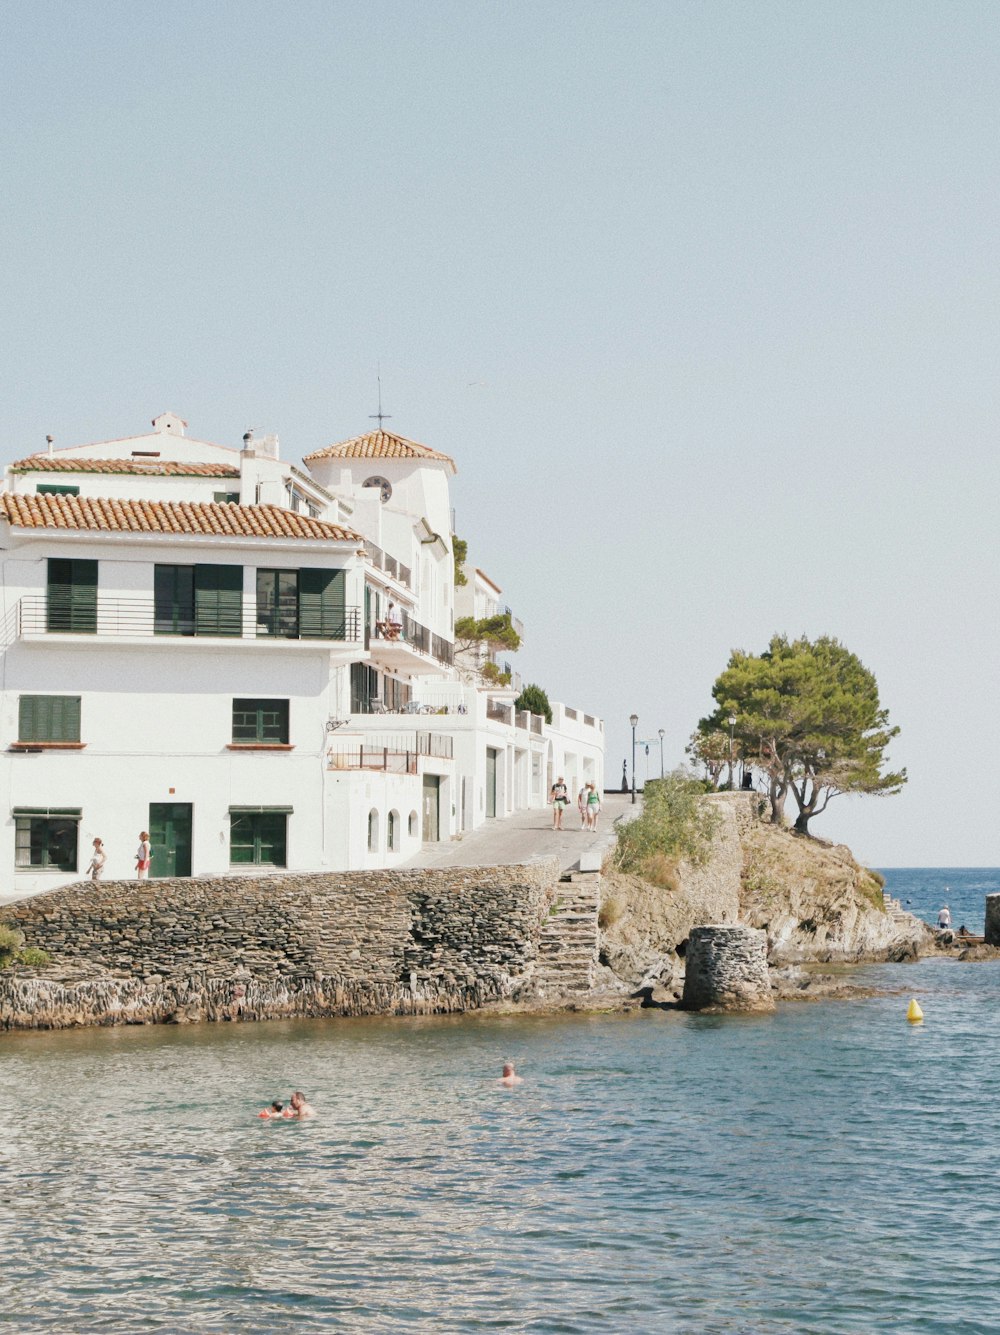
97 862
143 854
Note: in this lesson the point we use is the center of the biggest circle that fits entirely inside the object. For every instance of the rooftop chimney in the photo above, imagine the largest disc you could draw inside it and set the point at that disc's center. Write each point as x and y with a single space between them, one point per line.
49 440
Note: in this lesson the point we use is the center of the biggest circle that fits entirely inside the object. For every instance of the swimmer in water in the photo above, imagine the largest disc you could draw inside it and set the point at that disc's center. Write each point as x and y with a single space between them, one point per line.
273 1111
510 1078
300 1108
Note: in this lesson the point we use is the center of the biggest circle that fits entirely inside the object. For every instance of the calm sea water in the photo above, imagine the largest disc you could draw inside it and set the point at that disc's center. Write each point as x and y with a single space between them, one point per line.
923 890
829 1168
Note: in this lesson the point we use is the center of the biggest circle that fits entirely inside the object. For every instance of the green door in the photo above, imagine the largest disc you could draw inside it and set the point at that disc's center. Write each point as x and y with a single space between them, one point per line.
170 836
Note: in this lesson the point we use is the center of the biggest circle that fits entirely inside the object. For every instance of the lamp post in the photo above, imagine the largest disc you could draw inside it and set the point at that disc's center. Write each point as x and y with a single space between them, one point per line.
732 772
661 753
633 719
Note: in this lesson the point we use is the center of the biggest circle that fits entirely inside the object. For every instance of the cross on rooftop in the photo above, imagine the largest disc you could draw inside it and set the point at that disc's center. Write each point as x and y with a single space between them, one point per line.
380 415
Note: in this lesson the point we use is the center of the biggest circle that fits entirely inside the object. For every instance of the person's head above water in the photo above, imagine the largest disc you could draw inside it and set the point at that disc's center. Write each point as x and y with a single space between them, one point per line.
277 1106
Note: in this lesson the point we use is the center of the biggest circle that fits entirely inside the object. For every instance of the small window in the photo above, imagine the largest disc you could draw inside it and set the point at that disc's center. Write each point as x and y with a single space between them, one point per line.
46 841
226 497
264 722
56 489
258 838
413 824
48 718
373 831
392 831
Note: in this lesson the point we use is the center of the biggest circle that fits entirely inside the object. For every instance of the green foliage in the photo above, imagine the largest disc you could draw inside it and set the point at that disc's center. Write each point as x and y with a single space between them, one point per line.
676 822
14 951
535 701
870 886
33 956
11 941
493 675
809 714
460 552
712 750
494 632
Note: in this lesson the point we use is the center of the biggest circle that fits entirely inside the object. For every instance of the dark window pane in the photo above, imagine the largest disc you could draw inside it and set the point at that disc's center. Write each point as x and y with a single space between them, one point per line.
260 721
173 600
41 841
278 603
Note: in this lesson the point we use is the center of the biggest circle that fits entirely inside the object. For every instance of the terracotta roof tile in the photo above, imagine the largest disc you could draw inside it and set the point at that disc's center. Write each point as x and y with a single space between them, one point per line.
380 445
96 514
49 463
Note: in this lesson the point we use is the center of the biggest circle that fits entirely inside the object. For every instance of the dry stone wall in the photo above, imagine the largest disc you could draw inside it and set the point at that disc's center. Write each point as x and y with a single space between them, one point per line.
349 943
727 969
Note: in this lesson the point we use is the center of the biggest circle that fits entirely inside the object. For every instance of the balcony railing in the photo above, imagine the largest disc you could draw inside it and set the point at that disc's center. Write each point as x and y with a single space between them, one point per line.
495 710
570 713
521 718
516 622
536 723
411 632
383 561
373 757
434 744
141 617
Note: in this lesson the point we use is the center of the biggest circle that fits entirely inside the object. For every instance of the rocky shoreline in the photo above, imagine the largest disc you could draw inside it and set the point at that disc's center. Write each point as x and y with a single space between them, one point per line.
778 917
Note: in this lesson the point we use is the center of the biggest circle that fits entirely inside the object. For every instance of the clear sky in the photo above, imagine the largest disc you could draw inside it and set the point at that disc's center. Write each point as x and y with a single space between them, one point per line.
702 297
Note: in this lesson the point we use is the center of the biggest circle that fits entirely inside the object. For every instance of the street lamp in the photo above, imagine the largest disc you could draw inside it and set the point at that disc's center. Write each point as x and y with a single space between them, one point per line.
661 753
732 772
633 719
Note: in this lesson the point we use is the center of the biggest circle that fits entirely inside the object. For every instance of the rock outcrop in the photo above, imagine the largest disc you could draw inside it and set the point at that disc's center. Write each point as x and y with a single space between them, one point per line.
812 900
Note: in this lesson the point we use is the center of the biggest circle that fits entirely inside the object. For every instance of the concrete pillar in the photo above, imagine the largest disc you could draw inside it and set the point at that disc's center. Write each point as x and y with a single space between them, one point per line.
726 969
992 937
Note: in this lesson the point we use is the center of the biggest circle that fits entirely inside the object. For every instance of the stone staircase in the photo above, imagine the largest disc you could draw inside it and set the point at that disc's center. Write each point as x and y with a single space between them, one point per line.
896 911
903 917
567 946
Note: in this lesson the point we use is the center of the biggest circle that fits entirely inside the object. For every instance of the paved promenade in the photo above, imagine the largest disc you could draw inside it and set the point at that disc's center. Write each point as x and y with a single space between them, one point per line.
527 836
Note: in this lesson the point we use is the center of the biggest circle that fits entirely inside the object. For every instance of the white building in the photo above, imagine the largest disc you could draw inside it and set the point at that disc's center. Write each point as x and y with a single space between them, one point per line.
252 661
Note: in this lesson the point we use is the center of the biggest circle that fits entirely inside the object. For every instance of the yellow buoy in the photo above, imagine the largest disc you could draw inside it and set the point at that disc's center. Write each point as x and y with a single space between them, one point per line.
913 1012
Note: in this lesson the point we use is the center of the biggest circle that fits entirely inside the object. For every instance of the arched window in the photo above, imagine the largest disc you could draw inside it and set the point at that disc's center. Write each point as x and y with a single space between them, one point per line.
392 830
413 824
373 831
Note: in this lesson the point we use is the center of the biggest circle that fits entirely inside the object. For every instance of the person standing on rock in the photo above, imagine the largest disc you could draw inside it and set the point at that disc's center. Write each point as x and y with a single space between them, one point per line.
944 918
96 868
143 856
559 797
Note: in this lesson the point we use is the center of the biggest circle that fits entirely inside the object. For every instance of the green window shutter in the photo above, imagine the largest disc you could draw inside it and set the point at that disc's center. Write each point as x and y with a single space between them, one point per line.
72 596
56 489
321 604
27 718
48 718
218 600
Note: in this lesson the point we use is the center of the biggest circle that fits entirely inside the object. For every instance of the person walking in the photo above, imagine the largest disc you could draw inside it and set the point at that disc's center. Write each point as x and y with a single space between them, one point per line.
559 797
581 805
593 806
98 860
143 856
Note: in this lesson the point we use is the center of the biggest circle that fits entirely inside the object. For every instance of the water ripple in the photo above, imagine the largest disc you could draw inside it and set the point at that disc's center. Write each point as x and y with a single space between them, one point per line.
826 1169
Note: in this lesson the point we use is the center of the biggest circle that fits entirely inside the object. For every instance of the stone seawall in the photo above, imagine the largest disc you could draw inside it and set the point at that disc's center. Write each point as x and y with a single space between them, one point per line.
346 943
